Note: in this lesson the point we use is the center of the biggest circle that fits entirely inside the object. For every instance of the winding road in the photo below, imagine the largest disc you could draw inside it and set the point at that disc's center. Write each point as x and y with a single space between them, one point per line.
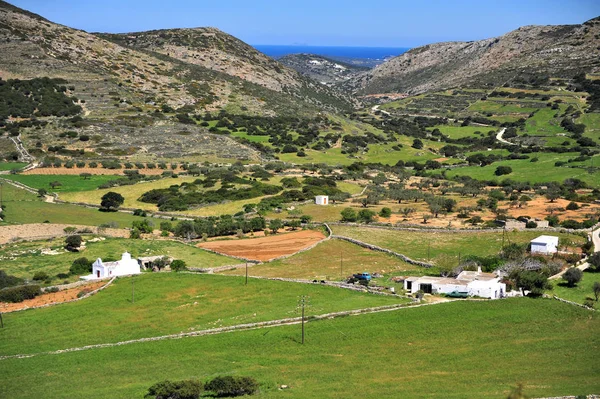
500 139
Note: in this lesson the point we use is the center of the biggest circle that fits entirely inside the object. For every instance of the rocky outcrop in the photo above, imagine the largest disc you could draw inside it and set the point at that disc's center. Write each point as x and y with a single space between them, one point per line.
530 52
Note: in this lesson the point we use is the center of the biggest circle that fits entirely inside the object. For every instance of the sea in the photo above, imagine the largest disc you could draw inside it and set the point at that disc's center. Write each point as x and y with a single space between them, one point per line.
337 52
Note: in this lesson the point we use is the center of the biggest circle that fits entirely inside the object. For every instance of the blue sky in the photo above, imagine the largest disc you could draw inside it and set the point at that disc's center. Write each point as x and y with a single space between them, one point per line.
396 23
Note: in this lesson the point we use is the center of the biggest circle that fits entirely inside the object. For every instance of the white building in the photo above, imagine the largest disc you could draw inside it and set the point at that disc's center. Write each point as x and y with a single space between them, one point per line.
125 266
544 245
322 200
484 285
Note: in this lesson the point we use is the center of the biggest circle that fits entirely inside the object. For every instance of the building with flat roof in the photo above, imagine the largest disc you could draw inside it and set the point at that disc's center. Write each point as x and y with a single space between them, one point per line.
545 245
467 283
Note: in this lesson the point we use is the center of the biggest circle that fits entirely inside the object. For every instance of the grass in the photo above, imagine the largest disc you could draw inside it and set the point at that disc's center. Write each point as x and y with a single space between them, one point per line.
502 107
130 193
581 291
70 183
170 303
543 123
417 245
458 132
450 351
24 259
330 260
592 123
12 165
533 172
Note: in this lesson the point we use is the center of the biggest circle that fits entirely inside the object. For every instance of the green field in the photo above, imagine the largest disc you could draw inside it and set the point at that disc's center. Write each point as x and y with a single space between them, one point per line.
448 351
417 245
543 123
330 260
170 303
458 132
70 183
502 107
28 260
12 165
533 172
580 292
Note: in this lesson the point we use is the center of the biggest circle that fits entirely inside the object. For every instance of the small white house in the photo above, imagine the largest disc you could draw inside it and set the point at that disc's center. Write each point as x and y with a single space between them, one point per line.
322 200
124 267
484 285
544 245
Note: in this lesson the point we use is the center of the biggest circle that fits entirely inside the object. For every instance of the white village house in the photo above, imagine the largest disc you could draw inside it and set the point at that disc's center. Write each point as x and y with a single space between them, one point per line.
485 285
322 200
124 267
544 245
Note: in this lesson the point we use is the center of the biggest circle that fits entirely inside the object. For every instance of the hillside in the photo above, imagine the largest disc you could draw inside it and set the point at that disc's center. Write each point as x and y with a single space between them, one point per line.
132 101
527 54
322 69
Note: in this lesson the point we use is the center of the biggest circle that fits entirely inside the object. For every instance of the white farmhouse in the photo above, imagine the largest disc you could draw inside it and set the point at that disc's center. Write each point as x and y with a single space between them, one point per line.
322 200
125 266
484 285
544 245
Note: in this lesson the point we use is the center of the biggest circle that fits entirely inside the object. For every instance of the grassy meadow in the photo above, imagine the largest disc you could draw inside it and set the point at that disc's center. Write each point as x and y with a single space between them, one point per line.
70 183
24 259
330 260
456 350
170 303
11 165
417 244
580 292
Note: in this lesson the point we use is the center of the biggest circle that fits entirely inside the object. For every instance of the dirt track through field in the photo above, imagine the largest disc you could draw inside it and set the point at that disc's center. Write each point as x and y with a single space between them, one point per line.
266 248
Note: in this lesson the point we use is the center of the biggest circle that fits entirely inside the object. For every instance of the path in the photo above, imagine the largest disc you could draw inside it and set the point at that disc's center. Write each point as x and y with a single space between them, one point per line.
239 327
376 108
500 139
22 151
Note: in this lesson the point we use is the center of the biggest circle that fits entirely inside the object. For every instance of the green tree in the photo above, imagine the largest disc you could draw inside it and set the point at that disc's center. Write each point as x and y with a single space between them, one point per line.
232 386
594 261
418 144
572 276
503 170
186 229
531 281
54 184
111 201
80 266
275 225
349 215
72 243
42 192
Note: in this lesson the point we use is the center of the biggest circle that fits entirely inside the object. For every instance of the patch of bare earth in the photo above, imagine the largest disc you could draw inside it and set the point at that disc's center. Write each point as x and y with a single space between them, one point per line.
50 298
266 248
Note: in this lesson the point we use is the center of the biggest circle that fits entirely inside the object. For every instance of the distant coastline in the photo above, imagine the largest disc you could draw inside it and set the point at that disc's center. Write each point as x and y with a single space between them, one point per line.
371 53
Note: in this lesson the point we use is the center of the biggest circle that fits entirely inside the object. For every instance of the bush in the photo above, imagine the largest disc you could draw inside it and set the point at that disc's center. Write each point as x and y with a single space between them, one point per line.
7 280
385 213
81 266
73 242
41 276
178 265
349 215
19 293
230 386
572 206
572 276
186 389
503 170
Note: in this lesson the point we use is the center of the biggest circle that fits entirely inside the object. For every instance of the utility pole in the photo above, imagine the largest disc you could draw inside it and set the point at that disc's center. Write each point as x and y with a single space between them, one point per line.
341 265
246 272
1 321
303 302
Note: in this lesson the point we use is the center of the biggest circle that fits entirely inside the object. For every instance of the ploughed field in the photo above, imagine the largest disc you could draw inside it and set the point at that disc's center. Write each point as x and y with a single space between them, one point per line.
266 248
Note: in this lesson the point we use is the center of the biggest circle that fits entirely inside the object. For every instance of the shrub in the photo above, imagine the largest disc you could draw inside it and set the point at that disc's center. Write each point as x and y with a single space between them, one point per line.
140 212
385 213
83 292
7 280
81 266
178 265
232 386
186 389
111 201
572 206
531 224
572 276
19 293
41 276
503 170
349 215
73 242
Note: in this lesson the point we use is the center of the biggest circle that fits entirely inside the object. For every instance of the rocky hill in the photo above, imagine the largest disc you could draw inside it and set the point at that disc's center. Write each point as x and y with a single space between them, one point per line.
322 69
528 53
135 89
